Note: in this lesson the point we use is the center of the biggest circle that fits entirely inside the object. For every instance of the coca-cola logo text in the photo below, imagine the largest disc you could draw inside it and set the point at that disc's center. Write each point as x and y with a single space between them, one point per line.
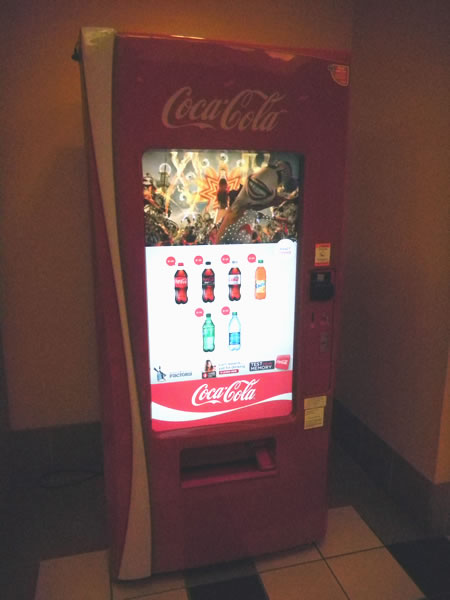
234 279
180 281
241 390
248 109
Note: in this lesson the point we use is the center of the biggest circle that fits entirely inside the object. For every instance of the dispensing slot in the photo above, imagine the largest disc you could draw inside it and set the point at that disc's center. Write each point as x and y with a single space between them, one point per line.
231 462
265 459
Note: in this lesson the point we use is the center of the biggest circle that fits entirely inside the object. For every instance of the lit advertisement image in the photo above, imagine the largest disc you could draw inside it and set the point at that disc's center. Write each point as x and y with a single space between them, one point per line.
221 234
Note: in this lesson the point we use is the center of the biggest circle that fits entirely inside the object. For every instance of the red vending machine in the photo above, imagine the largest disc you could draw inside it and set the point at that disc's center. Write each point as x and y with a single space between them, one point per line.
217 183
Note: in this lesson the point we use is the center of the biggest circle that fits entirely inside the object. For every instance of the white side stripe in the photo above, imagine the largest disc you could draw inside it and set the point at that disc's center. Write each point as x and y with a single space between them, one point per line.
164 413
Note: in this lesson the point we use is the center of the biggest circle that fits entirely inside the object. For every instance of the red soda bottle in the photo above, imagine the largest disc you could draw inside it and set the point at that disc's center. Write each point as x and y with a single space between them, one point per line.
208 283
234 282
181 285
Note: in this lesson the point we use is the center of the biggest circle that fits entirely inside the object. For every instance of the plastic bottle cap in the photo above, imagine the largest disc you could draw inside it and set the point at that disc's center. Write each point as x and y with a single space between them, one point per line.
181 264
207 262
208 314
260 261
234 314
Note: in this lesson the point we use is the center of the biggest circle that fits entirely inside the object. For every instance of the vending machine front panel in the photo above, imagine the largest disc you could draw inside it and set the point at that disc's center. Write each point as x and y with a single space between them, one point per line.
217 180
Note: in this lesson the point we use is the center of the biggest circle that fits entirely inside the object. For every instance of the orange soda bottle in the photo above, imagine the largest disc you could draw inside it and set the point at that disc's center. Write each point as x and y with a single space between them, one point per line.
260 281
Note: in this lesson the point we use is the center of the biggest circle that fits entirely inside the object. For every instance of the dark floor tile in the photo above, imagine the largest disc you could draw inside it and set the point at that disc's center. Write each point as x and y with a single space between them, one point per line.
222 572
427 562
243 588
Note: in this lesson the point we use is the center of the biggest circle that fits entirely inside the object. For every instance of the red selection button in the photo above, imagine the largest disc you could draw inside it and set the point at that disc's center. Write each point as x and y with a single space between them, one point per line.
170 260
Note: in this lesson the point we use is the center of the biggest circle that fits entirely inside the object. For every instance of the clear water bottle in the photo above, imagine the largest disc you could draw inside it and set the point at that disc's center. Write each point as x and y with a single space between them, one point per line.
234 332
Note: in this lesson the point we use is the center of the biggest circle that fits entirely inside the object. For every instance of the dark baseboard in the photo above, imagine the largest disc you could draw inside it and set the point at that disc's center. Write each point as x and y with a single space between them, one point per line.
424 500
5 470
36 453
32 454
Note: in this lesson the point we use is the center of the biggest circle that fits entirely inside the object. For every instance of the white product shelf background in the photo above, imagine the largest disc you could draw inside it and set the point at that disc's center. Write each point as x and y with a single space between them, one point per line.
175 331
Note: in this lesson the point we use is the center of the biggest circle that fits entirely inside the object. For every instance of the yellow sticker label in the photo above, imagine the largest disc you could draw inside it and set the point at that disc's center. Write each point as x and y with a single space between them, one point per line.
315 402
314 417
323 255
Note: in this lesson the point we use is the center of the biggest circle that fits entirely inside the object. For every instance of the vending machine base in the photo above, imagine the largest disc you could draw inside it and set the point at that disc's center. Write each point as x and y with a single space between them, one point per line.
216 175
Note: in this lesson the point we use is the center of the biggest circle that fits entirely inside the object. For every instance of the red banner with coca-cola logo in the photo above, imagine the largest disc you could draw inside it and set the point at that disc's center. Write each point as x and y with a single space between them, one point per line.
221 400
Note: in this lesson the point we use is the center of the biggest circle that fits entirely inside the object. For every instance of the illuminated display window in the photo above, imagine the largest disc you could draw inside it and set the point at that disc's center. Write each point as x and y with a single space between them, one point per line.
221 234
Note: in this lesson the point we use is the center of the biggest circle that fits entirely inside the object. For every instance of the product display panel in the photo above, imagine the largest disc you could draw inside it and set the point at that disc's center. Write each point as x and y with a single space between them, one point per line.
222 244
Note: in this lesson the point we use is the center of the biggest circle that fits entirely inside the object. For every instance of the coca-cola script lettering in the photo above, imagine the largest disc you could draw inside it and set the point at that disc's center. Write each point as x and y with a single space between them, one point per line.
180 281
248 109
239 391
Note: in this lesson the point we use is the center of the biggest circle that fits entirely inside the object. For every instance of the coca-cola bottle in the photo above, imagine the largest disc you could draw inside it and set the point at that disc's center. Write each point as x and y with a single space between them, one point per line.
181 285
208 283
234 282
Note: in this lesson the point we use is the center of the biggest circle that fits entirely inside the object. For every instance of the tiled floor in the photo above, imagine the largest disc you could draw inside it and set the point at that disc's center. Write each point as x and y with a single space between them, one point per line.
371 551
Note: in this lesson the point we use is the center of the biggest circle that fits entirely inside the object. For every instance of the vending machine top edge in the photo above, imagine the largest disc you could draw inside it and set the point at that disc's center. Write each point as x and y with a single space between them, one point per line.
216 177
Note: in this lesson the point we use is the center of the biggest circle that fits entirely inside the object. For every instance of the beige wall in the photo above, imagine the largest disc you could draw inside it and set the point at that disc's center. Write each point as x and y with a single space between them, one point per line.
395 331
47 295
395 327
